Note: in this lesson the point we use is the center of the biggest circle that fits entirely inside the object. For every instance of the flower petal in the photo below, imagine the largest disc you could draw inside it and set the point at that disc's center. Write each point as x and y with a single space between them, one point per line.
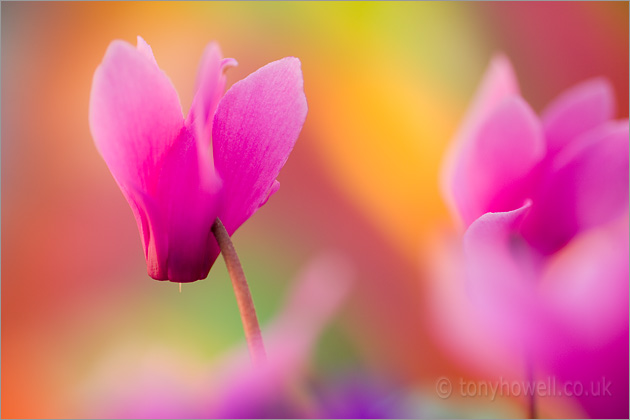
151 225
255 127
144 48
587 185
495 171
210 86
272 190
135 115
502 274
587 283
498 83
189 204
576 111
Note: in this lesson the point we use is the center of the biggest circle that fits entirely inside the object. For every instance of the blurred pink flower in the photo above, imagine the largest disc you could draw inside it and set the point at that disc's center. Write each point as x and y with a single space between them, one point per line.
159 384
180 174
545 203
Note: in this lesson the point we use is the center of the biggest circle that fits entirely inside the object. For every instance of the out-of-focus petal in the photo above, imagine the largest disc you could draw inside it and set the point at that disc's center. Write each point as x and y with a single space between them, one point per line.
190 206
577 111
587 283
456 321
255 127
496 169
135 115
586 186
603 373
499 82
502 276
142 380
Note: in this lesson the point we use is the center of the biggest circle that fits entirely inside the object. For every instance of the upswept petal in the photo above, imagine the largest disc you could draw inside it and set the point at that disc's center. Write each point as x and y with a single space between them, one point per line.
135 115
586 186
255 127
209 89
145 49
502 272
576 111
496 171
499 82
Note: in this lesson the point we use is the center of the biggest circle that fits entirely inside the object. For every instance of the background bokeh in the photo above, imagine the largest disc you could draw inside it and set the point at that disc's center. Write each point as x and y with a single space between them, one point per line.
386 85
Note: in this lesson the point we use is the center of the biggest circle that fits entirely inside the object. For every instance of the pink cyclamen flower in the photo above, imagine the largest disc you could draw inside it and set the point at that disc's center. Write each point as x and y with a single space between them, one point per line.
180 174
544 200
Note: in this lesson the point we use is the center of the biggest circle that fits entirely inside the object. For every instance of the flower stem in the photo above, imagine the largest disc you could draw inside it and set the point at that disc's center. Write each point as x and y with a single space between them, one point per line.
243 296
